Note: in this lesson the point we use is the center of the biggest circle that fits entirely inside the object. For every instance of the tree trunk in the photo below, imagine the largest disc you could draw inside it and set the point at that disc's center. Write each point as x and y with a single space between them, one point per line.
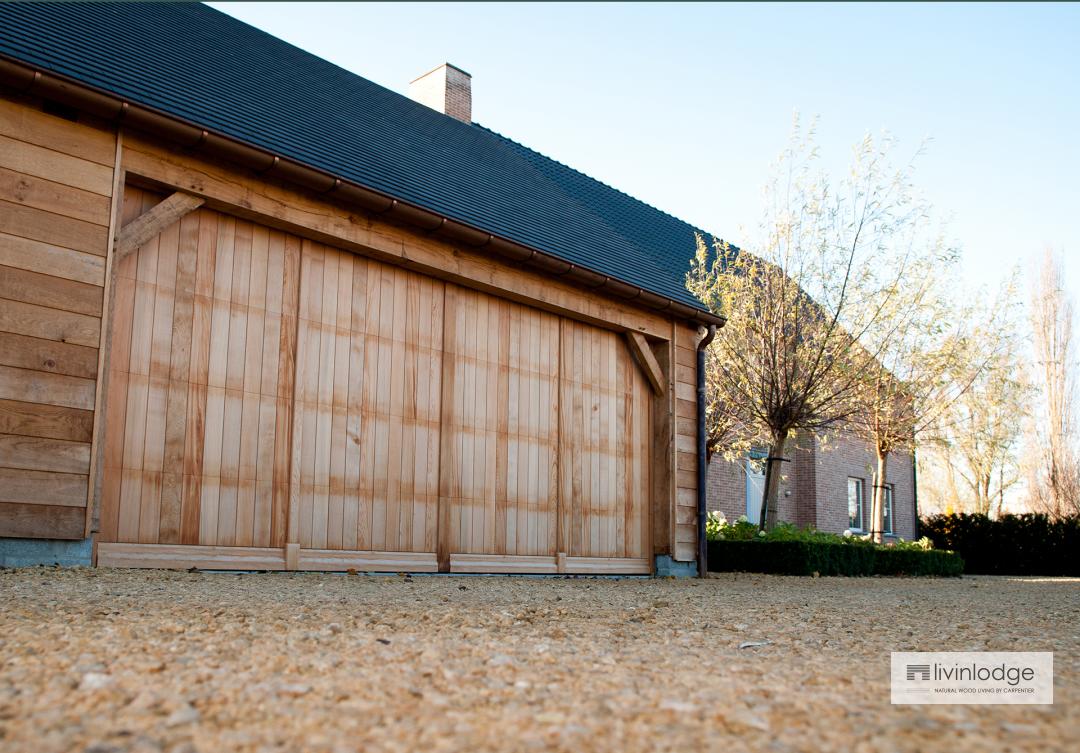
877 508
770 496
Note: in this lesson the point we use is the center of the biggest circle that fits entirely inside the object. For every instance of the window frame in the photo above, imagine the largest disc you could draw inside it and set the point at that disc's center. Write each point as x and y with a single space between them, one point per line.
860 487
888 524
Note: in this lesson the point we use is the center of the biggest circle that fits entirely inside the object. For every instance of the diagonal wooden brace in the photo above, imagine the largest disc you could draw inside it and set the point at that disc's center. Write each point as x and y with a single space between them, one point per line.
154 220
643 354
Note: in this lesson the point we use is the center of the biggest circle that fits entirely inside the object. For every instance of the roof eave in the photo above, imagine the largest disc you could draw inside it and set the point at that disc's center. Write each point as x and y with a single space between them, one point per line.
28 79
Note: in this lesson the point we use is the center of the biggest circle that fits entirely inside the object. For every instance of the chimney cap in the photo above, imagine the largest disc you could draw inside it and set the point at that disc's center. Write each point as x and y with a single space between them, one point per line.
459 69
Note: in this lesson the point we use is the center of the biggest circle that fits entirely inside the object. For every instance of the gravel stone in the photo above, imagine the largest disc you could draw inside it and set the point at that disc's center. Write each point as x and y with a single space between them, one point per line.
123 661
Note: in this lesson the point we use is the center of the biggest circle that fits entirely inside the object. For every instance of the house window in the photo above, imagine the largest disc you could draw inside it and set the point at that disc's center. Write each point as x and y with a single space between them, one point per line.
888 511
755 484
855 503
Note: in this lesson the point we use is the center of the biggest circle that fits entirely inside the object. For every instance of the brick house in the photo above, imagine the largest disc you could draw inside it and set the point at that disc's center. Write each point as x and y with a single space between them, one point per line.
827 485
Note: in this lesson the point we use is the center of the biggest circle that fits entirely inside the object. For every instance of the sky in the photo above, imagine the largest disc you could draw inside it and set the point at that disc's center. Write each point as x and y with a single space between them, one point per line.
685 106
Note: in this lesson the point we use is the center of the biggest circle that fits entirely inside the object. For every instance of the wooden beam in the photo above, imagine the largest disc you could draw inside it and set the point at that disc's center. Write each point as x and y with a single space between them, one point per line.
643 354
449 452
151 223
245 195
108 306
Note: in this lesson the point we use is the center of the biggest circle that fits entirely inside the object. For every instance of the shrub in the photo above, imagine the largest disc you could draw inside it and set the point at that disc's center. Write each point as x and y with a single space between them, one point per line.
909 561
1029 544
811 552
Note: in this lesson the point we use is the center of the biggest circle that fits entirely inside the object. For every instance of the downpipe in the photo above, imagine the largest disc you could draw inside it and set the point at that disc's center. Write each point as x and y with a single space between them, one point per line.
702 468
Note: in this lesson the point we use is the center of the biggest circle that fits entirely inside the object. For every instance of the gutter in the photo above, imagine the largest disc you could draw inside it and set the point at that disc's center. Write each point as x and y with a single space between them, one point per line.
702 468
24 79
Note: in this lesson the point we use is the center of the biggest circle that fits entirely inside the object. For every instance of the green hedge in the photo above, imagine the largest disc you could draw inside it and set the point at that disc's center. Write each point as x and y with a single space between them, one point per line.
808 557
1028 544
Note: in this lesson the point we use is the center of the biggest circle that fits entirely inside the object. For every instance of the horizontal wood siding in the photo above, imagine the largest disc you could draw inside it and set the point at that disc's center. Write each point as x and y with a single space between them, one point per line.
685 504
56 184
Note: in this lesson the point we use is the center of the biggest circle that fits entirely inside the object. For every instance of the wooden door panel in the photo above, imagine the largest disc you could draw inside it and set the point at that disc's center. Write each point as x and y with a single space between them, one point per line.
502 423
605 410
366 423
265 390
200 371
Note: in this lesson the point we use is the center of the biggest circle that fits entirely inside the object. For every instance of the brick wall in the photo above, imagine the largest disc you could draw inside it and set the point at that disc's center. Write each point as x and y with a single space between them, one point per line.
814 484
725 487
844 456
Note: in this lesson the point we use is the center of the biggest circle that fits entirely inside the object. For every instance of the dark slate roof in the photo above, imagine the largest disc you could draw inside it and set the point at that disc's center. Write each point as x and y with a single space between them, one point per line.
193 62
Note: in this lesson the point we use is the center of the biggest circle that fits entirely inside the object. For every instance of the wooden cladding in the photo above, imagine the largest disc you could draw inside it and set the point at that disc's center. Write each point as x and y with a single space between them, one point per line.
366 426
56 189
500 426
605 406
268 392
204 328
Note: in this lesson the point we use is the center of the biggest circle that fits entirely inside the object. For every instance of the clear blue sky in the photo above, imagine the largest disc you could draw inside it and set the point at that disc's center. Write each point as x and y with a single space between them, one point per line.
685 105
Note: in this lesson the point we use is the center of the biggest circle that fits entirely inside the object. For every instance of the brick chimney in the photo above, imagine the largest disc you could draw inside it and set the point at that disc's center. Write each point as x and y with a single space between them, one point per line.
447 89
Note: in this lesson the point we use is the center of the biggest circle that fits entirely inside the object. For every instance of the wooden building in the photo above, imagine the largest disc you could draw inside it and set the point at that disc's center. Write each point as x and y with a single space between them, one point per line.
259 313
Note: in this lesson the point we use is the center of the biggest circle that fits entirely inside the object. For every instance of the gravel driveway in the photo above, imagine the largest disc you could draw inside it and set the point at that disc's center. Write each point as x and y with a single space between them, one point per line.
98 660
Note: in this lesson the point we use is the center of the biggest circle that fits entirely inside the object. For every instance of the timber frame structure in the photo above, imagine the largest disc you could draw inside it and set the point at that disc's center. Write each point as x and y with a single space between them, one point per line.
213 356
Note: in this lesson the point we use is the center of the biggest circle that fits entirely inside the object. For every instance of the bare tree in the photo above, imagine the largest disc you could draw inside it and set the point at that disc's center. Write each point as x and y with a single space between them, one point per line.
982 430
970 457
1056 482
919 342
789 357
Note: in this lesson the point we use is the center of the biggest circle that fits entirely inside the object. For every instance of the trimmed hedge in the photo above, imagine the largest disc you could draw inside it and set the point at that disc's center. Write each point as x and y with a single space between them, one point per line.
826 558
1028 544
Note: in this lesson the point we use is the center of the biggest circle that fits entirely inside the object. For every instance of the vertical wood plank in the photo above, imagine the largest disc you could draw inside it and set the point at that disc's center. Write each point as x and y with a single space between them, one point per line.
447 455
118 365
564 435
357 312
285 523
503 538
366 490
576 437
198 377
394 418
172 481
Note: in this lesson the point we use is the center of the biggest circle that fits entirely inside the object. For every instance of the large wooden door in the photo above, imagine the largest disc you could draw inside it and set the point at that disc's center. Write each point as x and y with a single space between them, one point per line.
200 371
500 434
277 403
365 459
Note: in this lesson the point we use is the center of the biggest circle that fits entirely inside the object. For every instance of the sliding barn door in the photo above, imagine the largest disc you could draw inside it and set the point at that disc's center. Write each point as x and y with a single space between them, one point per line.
365 453
500 434
199 383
